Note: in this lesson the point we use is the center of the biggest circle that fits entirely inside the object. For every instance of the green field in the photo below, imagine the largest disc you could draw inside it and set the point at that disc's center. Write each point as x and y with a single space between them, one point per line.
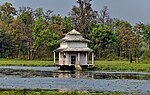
19 92
99 65
14 62
122 66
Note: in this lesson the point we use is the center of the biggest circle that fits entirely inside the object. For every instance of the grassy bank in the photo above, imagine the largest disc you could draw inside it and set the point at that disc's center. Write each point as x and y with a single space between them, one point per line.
14 62
21 92
122 66
99 65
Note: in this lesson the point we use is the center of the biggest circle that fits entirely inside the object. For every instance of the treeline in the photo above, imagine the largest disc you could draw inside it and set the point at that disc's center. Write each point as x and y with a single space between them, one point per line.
33 34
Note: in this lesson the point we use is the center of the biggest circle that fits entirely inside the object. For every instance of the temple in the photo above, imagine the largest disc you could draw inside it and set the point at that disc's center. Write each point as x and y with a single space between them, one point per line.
73 51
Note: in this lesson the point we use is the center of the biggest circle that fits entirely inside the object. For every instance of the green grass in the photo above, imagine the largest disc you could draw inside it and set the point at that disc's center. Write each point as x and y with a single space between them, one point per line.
21 92
122 66
14 62
99 65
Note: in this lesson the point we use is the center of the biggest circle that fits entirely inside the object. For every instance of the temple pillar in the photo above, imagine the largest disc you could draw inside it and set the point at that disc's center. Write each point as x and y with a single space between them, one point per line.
54 58
86 58
59 58
92 58
78 58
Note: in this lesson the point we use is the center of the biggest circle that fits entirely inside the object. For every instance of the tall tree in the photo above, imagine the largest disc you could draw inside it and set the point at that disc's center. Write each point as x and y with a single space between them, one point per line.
19 39
42 36
128 42
117 26
26 16
67 24
138 29
146 35
104 17
57 25
7 13
83 16
103 40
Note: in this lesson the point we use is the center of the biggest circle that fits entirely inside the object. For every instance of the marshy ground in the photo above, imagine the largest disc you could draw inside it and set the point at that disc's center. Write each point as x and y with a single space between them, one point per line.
50 78
107 78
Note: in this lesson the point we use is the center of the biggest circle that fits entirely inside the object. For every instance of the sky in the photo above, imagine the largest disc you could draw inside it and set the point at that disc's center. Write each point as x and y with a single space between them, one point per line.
133 11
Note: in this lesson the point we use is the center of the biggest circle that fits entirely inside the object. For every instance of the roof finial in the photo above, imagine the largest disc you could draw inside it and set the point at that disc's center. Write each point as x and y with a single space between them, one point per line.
73 32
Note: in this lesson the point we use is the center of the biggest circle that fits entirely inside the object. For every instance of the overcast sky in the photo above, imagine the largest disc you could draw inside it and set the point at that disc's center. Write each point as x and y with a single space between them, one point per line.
130 10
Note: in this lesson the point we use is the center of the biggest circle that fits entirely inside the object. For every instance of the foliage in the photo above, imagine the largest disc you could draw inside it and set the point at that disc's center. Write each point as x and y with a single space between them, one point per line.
103 40
146 35
33 33
104 17
42 36
139 36
7 11
118 24
68 24
83 16
146 56
57 25
127 41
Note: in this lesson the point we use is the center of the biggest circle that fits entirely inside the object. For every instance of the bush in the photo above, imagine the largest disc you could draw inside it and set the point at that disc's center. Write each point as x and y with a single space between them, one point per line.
146 56
111 56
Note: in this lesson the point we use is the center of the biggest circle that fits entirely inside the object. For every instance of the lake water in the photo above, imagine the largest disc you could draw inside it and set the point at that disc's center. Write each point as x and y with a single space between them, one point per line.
51 78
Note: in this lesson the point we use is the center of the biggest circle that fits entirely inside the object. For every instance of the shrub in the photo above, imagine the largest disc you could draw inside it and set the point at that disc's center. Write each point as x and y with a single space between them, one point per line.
146 56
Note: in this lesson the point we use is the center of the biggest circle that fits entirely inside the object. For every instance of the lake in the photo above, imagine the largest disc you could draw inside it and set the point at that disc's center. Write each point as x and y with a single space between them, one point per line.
17 77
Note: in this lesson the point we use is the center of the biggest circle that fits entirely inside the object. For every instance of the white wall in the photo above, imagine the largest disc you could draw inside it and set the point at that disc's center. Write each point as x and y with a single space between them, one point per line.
77 44
83 58
63 45
62 60
73 36
67 60
73 44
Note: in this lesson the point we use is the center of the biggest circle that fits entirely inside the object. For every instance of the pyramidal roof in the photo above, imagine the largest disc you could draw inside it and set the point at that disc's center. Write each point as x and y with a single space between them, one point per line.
73 32
77 37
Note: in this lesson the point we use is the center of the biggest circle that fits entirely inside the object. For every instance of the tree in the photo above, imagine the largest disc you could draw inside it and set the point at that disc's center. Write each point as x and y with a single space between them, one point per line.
26 16
103 40
146 56
68 24
104 17
146 35
83 16
57 25
138 29
7 13
42 36
39 13
117 26
47 16
128 42
17 30
34 33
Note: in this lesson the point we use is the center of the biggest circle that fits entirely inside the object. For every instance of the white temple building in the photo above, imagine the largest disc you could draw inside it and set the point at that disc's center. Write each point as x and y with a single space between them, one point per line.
73 51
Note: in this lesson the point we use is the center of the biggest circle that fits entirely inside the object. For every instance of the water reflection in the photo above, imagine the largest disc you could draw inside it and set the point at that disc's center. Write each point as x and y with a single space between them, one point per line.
52 78
73 74
101 75
55 73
